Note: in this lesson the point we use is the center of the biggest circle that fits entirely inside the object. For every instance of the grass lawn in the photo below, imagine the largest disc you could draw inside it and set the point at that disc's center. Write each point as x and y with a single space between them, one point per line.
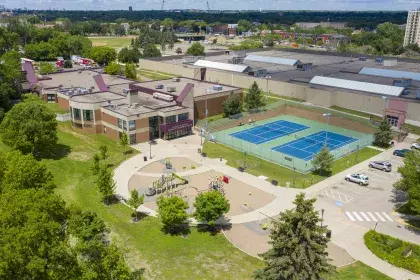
257 166
155 75
111 41
360 271
56 109
198 256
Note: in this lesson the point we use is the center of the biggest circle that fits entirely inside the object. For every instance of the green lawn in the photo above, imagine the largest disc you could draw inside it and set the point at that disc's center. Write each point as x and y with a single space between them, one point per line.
359 271
357 113
257 166
111 41
56 109
155 75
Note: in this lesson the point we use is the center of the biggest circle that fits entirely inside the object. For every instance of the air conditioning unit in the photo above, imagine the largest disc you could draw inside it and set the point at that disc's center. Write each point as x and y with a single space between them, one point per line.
126 90
176 79
158 86
170 89
163 96
217 87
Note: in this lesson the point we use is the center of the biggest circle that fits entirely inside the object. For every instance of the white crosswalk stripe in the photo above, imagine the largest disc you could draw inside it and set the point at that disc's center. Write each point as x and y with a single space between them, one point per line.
373 217
368 216
357 216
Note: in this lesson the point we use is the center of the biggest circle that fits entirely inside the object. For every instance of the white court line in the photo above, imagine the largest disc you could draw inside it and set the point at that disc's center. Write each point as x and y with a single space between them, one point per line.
350 216
364 216
386 216
357 216
373 217
380 217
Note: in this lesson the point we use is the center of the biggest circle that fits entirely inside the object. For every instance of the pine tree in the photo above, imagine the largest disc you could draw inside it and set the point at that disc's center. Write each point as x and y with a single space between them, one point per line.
254 99
232 105
124 140
105 184
95 163
383 134
298 245
323 161
103 152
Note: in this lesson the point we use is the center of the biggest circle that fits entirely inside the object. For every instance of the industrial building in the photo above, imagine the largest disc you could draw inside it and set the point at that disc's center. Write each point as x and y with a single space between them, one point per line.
375 85
412 28
101 103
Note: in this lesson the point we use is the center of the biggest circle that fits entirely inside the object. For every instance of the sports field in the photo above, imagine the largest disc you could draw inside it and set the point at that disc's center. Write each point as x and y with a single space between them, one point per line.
292 141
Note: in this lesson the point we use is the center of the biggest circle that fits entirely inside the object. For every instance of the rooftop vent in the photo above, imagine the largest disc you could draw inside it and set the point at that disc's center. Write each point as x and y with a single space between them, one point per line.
176 79
217 87
158 86
170 89
163 96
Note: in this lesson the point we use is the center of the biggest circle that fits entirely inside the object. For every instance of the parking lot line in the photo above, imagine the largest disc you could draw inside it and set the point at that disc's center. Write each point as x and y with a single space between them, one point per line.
351 190
357 216
373 173
350 216
386 216
373 217
364 216
380 217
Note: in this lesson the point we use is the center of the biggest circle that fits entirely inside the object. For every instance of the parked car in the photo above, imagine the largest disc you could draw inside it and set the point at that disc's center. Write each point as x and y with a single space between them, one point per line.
150 191
415 146
360 179
401 153
381 165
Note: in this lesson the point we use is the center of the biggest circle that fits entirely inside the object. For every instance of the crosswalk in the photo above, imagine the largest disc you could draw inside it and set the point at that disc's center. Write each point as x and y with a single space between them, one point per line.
369 216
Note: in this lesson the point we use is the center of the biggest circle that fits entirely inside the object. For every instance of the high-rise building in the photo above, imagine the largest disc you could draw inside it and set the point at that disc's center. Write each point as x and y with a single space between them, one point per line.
412 29
130 9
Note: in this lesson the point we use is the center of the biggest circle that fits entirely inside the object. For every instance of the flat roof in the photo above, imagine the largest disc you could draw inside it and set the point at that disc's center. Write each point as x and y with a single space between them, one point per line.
271 59
390 73
201 88
81 78
128 110
97 97
221 66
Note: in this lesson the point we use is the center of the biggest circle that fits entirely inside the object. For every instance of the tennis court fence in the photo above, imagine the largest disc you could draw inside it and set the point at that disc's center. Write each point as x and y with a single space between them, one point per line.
294 163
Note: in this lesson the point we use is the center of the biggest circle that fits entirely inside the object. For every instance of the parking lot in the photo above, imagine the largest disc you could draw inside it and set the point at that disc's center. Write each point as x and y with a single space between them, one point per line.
365 205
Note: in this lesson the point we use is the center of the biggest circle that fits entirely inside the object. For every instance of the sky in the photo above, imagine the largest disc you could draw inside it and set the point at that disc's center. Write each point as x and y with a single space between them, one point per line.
216 4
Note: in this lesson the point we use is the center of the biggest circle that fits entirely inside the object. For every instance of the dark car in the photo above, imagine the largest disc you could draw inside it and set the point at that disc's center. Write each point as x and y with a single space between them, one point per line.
401 153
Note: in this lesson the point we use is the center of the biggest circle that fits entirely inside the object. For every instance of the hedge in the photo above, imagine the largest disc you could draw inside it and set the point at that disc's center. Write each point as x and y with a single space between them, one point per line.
391 250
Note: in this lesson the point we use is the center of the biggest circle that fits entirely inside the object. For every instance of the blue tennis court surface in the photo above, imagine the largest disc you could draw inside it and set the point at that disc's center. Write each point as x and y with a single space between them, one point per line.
267 132
305 148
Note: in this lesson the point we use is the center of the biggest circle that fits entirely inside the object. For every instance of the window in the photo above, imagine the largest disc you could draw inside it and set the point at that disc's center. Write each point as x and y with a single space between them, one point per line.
51 97
182 117
104 129
132 138
76 114
131 125
88 115
171 135
171 119
122 124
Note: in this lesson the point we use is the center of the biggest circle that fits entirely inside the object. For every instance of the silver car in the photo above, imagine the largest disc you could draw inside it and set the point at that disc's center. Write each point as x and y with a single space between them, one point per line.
360 179
381 165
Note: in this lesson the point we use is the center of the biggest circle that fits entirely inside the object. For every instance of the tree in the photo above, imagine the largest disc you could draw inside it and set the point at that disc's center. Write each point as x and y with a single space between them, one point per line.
410 180
41 51
96 161
178 51
171 211
254 99
29 127
103 152
298 245
196 49
127 55
135 201
383 134
102 55
68 64
124 140
130 72
232 105
323 161
151 51
113 69
46 68
209 206
105 184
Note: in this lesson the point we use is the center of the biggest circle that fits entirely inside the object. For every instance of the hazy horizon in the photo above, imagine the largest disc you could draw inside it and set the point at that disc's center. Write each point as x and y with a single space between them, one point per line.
285 5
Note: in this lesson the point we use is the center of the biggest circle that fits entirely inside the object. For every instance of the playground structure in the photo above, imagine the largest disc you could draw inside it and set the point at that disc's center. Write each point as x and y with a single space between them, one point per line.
168 182
216 183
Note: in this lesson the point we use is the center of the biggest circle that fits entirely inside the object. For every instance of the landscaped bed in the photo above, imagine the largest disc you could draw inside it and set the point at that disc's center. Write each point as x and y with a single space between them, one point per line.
395 251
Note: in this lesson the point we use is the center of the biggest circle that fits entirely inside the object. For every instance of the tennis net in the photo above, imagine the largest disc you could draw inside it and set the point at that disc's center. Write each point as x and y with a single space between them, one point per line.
310 140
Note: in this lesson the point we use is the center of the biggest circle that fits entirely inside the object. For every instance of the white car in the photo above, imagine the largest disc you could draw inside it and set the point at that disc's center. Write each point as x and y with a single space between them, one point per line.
360 179
415 146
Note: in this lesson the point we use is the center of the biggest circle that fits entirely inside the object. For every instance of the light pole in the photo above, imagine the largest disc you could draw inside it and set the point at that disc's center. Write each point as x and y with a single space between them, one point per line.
266 88
207 91
201 136
322 216
328 115
150 144
383 112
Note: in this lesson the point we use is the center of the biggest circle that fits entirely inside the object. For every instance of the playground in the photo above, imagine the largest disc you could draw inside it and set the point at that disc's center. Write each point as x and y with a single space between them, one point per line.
180 176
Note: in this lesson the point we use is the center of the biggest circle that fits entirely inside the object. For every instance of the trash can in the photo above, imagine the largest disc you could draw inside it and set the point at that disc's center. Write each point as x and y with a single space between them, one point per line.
274 182
204 154
145 158
328 233
199 150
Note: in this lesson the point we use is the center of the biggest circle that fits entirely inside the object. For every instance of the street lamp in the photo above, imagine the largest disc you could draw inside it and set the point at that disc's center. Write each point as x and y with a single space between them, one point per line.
322 216
328 115
150 144
383 113
266 87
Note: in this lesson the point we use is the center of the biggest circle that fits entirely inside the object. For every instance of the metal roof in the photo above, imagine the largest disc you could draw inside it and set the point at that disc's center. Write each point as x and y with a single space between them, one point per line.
389 73
355 85
272 59
222 66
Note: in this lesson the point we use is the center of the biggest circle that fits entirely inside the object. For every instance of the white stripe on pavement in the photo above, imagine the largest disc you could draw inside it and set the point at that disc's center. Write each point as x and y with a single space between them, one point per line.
364 216
373 217
386 216
357 216
380 217
350 216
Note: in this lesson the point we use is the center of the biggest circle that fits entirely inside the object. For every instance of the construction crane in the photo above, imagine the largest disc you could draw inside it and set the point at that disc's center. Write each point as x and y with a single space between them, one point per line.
208 6
163 3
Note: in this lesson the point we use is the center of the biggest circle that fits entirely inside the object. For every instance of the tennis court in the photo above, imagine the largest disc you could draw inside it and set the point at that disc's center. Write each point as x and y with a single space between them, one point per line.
267 132
306 147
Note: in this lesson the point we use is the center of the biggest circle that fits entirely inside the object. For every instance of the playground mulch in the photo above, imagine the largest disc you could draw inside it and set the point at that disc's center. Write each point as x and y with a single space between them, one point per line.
179 164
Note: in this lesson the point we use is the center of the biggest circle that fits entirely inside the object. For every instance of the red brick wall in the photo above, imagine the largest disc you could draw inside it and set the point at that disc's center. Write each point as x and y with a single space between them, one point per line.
113 134
109 119
62 103
142 123
142 137
98 115
214 106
